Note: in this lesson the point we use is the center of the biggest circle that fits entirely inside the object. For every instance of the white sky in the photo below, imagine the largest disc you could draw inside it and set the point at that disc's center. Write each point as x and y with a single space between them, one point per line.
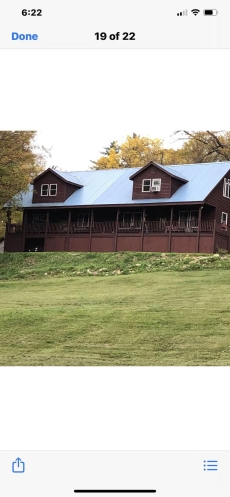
79 101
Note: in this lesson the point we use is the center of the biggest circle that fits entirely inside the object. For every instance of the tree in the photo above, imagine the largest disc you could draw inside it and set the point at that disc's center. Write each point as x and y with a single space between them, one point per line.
113 146
204 146
20 161
110 159
135 151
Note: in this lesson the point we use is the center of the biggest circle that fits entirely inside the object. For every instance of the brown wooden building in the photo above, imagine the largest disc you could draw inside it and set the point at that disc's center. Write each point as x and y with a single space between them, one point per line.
156 208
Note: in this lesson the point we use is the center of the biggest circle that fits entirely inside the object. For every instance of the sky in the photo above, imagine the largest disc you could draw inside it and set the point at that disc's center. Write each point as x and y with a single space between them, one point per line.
63 158
81 100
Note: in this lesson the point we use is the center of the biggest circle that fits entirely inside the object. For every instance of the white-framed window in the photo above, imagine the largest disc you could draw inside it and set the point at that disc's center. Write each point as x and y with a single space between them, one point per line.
127 217
137 217
132 217
183 218
163 221
44 190
224 217
39 218
53 190
83 219
146 185
194 219
226 188
47 190
156 185
188 219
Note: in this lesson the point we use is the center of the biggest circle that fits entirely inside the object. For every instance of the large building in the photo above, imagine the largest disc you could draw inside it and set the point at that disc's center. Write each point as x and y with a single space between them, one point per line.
181 208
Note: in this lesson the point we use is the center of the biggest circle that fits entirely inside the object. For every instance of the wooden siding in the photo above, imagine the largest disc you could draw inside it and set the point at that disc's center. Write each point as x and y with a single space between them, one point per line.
217 199
13 243
79 243
168 184
129 243
206 244
70 189
55 244
156 243
187 244
221 242
175 184
132 242
64 190
102 244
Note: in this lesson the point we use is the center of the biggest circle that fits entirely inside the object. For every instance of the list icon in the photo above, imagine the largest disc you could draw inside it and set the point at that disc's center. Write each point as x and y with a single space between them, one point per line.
210 465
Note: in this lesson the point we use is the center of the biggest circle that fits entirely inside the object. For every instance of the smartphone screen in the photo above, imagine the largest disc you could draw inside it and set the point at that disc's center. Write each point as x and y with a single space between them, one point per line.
114 248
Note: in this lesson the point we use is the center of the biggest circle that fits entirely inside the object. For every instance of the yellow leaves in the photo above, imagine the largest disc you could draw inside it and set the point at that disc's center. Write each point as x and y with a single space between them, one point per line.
20 161
137 151
111 161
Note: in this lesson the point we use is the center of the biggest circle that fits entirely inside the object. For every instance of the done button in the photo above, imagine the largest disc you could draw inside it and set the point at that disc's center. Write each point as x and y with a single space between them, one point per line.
17 36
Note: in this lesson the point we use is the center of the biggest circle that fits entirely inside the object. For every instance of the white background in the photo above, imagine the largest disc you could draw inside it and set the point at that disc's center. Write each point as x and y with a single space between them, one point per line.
115 408
80 101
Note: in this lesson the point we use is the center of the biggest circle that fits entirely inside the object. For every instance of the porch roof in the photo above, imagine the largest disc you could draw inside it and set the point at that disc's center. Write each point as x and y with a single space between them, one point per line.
113 187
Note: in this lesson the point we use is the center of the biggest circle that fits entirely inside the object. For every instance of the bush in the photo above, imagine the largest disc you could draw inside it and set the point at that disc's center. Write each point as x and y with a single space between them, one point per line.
222 251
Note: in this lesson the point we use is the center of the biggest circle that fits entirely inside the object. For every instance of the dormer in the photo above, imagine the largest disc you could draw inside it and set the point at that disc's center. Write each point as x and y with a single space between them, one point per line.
52 186
155 181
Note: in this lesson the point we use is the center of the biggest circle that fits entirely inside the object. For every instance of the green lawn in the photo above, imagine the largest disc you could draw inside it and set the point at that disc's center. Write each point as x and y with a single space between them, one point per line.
157 318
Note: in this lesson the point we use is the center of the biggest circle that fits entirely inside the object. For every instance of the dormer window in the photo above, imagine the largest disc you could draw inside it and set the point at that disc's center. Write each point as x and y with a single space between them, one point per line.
146 185
156 185
53 190
45 190
48 190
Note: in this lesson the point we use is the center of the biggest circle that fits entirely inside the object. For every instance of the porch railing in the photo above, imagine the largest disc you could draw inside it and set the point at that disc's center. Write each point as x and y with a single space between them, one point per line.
178 226
110 227
107 227
35 228
14 228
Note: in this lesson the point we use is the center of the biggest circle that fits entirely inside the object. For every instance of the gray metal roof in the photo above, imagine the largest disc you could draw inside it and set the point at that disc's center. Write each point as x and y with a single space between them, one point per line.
74 178
113 186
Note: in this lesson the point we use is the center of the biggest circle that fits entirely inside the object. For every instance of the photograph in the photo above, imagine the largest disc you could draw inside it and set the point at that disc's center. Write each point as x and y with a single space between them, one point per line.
122 263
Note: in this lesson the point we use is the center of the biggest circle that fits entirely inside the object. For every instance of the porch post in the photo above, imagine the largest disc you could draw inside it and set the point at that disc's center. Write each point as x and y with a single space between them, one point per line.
115 250
214 236
46 231
90 230
8 213
142 229
198 231
67 238
170 229
24 230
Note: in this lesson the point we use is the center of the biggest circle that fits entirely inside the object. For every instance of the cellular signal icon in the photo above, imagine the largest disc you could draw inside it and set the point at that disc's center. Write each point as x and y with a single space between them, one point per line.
195 11
183 13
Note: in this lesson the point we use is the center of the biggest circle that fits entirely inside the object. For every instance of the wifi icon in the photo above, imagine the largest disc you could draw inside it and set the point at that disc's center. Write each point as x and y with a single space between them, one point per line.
195 11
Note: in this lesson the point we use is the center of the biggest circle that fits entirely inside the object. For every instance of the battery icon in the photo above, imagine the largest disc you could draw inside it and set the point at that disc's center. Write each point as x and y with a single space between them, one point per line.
210 12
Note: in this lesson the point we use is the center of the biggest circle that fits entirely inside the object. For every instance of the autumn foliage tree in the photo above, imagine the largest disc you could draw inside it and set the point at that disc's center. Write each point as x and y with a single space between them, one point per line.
20 161
190 148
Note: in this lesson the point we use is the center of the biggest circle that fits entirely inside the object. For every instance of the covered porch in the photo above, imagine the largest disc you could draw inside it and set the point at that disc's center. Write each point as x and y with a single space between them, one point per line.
190 228
178 219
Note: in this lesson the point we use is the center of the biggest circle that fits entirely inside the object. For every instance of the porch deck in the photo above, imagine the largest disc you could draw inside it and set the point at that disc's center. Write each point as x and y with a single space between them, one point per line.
111 236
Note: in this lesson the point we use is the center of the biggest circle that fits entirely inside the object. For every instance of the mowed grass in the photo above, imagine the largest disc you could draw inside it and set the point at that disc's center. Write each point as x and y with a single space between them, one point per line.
149 319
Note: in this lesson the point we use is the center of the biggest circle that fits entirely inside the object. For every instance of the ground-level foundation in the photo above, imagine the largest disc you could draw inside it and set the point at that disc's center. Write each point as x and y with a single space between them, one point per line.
174 242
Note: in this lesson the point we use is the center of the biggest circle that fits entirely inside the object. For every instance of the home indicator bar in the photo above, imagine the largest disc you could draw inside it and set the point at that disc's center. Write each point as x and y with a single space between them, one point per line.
115 491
